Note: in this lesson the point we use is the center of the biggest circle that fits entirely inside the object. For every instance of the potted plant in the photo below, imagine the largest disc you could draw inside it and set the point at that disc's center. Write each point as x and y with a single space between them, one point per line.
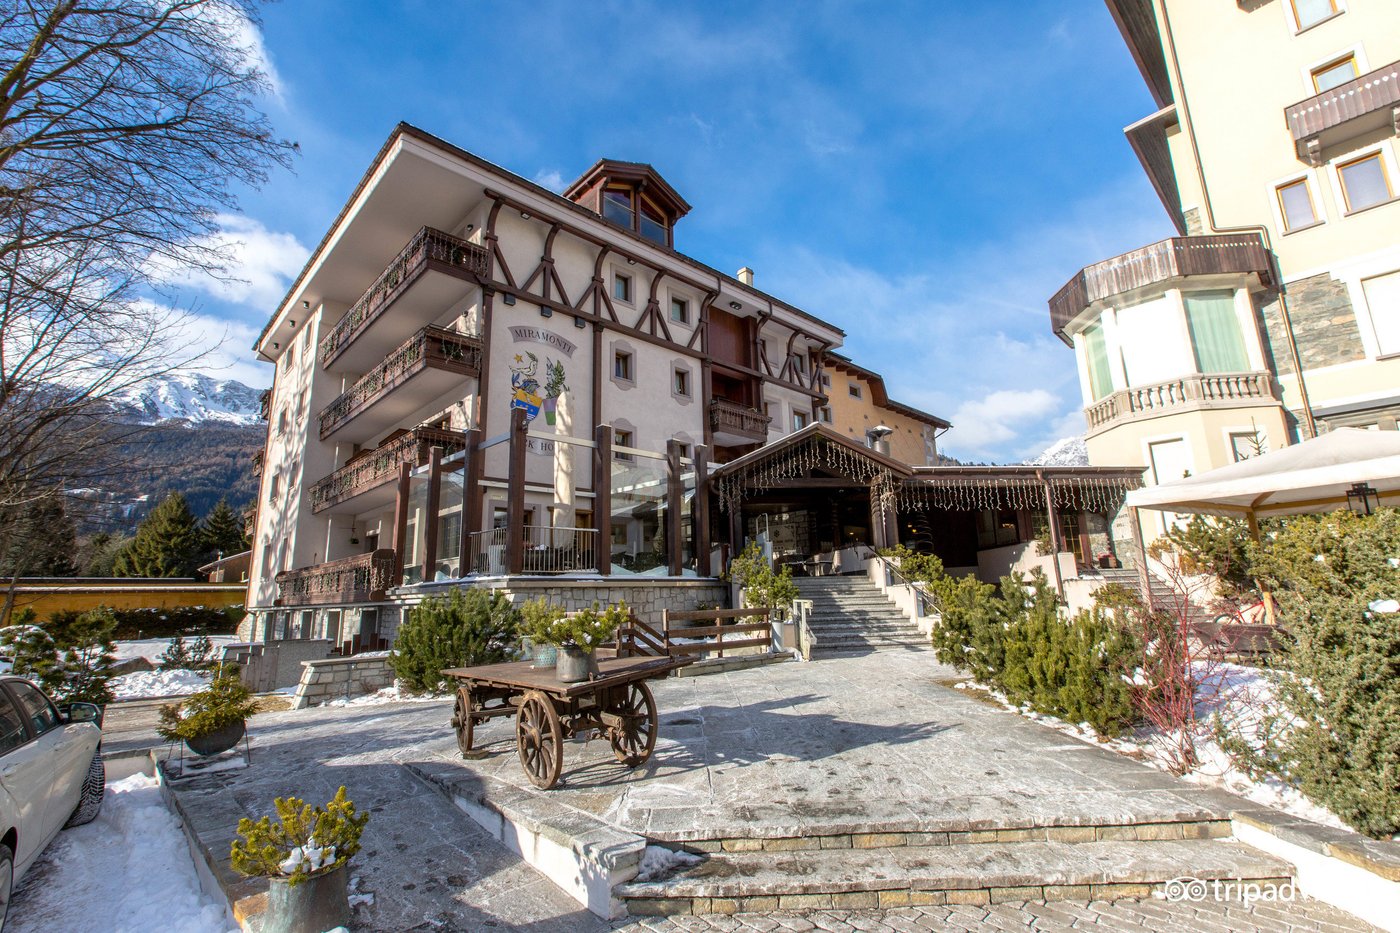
578 635
303 855
538 619
214 719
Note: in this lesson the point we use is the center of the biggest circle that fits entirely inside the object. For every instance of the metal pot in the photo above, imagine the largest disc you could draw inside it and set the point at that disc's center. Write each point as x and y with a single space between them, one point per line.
220 740
321 902
575 665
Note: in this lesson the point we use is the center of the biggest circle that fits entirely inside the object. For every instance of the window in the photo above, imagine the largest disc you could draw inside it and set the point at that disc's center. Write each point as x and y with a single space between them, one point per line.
1096 354
1383 300
825 414
799 420
680 382
1311 12
617 206
680 310
1334 73
12 734
622 287
651 223
290 357
35 707
799 364
1364 182
622 365
854 389
1247 444
274 488
1296 204
301 402
282 422
826 380
622 439
1215 332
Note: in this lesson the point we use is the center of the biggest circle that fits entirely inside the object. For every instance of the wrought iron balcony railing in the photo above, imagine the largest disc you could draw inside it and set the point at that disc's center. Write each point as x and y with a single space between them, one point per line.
430 348
429 248
358 579
733 418
381 465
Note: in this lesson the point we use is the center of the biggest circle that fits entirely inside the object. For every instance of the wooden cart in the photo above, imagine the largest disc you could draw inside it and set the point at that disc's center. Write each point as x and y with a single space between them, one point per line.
617 703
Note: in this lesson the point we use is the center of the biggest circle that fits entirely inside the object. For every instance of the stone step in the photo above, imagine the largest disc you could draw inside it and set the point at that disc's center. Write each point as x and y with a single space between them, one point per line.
849 619
949 874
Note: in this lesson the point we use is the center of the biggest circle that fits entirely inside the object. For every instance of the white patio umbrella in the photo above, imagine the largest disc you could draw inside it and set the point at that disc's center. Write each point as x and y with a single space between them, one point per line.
1313 476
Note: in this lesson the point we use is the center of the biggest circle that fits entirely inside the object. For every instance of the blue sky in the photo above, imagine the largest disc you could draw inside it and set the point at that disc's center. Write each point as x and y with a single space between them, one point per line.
923 174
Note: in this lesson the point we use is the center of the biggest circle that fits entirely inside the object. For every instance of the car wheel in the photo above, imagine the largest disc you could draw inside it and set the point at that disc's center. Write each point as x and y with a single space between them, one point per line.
7 880
94 788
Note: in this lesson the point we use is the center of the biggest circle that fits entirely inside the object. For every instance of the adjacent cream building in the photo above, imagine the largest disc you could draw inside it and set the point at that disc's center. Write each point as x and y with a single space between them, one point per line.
1275 313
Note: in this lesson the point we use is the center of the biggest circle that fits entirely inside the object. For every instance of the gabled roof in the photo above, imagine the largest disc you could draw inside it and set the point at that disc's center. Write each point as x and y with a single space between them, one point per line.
880 396
815 431
638 173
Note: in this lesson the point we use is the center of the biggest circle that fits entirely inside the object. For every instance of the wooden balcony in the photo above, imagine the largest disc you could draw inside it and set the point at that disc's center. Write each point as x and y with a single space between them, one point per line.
259 456
440 357
377 468
1195 392
1344 112
359 579
446 267
1158 264
732 423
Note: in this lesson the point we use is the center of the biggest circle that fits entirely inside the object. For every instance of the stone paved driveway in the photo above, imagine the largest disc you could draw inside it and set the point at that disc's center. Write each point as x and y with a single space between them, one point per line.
879 725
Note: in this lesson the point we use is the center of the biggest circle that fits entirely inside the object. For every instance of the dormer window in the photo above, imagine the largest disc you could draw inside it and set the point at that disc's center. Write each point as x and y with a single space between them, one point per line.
652 224
617 206
632 195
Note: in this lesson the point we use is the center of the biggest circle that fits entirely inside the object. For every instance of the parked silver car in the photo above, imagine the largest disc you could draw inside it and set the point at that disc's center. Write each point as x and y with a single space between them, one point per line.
51 775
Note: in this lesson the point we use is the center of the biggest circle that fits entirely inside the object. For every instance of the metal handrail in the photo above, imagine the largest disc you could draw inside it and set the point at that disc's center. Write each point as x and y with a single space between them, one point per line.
927 606
549 549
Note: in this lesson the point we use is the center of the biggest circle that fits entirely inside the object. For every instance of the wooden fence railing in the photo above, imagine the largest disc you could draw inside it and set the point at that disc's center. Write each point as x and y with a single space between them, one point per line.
725 634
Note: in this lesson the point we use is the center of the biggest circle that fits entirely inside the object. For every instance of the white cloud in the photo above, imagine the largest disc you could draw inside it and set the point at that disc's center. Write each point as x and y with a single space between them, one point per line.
1001 416
245 40
551 179
218 347
262 263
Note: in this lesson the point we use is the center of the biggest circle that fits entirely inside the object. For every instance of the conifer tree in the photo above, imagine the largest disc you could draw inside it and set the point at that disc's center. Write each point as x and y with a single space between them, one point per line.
222 531
167 544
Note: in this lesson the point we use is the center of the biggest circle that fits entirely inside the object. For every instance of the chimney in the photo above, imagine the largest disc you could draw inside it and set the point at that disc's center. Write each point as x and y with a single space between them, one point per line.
745 275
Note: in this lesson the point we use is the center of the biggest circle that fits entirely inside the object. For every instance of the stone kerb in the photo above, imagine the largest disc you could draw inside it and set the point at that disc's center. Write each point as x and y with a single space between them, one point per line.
333 678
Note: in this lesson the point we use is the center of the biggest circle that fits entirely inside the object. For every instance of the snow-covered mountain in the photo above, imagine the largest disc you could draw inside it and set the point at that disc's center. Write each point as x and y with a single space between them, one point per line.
192 397
1067 451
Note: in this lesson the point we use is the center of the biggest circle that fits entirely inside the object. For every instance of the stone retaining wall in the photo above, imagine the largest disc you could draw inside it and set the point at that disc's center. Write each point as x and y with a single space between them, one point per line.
333 678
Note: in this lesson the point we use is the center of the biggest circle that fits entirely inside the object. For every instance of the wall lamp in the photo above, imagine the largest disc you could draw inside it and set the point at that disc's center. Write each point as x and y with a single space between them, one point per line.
546 311
524 215
508 298
579 322
735 305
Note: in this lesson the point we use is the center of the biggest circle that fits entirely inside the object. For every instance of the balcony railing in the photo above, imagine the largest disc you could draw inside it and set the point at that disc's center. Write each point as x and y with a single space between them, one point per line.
1236 254
381 465
429 248
1189 393
358 579
259 456
1360 105
265 404
733 418
430 348
548 549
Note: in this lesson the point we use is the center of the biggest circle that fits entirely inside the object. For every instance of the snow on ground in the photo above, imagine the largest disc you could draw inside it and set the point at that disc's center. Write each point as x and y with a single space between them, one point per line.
152 648
144 684
1240 696
395 694
659 862
128 871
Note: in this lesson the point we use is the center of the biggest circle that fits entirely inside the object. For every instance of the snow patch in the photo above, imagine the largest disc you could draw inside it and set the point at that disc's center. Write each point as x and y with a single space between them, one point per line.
659 862
128 871
146 684
152 648
394 694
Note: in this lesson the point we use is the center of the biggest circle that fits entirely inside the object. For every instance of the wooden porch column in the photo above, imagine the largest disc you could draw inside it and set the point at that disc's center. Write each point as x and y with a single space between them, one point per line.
675 499
1053 517
602 496
515 494
430 522
702 511
401 520
1144 575
471 499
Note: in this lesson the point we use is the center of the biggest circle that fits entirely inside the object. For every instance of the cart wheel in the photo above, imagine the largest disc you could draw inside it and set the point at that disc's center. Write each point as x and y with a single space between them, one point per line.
633 739
463 722
539 739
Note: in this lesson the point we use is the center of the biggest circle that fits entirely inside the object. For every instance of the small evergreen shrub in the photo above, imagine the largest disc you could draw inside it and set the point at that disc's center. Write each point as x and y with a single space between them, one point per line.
304 842
224 702
588 629
162 623
71 660
1219 547
467 627
198 655
1335 577
538 618
763 587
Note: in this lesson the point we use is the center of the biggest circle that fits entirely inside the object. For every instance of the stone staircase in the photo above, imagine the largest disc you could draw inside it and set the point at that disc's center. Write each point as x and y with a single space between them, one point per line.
1163 596
939 862
849 613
